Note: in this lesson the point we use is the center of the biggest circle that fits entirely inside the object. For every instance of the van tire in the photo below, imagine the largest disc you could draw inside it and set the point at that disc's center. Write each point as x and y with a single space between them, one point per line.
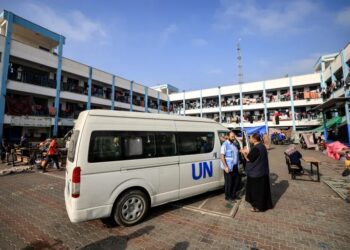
130 208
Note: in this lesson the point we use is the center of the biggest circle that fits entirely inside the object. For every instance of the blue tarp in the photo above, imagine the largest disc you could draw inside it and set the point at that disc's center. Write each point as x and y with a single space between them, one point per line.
252 130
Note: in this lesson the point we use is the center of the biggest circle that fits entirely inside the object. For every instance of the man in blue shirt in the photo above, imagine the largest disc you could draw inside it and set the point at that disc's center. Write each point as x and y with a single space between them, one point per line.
229 163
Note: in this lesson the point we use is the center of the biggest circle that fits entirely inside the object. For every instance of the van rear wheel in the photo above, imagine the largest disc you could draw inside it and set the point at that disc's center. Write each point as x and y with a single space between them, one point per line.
130 208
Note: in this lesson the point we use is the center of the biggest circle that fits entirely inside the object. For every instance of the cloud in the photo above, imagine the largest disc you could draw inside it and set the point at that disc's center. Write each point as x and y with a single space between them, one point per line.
199 42
74 25
167 32
343 17
215 71
269 18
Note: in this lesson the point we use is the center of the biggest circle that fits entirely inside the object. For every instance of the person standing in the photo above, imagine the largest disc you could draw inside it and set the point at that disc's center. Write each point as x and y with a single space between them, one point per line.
229 163
52 153
258 192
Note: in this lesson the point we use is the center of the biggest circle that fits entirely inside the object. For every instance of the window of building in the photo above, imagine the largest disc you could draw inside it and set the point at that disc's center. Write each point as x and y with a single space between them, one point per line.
45 49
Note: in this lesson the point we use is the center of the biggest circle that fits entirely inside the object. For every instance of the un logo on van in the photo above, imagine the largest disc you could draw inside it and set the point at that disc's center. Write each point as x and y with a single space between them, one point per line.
203 170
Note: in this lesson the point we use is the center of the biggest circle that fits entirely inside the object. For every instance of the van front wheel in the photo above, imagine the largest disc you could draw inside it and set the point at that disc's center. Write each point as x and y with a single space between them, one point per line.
130 208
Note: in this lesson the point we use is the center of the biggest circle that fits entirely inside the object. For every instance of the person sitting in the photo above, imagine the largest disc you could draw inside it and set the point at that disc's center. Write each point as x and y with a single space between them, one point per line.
295 156
321 143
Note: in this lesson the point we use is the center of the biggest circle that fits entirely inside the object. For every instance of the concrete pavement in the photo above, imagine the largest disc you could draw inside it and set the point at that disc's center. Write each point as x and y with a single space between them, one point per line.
307 215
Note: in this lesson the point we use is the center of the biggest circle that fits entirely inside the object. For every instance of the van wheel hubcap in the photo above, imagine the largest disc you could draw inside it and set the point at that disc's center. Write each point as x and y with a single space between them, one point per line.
132 208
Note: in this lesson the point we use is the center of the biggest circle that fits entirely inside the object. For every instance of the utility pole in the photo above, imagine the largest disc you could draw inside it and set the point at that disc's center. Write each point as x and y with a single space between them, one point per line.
240 78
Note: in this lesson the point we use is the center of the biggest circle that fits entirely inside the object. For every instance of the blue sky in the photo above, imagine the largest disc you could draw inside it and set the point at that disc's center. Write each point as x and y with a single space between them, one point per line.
191 43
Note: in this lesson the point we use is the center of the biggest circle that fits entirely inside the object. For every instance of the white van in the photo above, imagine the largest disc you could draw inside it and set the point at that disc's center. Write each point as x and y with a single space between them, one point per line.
121 163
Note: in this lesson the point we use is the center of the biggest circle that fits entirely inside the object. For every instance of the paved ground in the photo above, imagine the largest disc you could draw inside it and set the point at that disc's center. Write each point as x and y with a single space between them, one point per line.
307 215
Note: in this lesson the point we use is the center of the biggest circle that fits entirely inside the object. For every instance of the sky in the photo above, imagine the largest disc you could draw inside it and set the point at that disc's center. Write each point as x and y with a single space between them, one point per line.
191 44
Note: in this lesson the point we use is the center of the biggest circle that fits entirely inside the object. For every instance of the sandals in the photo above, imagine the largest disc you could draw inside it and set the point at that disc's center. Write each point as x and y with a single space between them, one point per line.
254 210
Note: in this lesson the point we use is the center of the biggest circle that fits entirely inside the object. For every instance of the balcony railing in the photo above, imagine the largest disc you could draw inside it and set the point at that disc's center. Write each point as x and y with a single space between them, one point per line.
32 77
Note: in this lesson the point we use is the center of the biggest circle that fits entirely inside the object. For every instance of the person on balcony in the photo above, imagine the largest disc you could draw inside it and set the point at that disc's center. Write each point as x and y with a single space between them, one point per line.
277 117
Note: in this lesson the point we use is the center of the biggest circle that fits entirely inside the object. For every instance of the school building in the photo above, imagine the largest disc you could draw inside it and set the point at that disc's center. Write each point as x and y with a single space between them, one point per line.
42 92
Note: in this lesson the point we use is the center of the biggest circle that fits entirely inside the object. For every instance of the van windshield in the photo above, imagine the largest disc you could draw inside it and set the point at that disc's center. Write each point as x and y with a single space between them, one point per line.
72 145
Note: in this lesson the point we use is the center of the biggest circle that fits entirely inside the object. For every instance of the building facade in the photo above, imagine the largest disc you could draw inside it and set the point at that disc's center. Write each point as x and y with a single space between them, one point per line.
42 92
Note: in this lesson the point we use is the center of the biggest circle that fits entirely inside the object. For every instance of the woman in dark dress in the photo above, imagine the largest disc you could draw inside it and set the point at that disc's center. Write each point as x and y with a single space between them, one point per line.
258 192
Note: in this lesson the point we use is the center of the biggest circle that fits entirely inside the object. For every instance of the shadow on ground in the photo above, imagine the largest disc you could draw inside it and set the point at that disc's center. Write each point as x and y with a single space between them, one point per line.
278 188
118 242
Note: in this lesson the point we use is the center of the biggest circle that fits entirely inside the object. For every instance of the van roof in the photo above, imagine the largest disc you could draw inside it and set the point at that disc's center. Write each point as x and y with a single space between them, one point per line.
112 113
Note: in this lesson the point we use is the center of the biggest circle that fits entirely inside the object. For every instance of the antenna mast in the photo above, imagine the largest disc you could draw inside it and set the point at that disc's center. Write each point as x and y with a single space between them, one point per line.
239 63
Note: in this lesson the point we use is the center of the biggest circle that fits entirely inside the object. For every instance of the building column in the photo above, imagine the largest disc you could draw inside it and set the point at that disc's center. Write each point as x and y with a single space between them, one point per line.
201 103
220 117
88 106
265 108
324 126
113 93
345 69
5 68
168 104
291 94
131 95
323 83
146 99
241 103
333 78
184 104
158 101
58 86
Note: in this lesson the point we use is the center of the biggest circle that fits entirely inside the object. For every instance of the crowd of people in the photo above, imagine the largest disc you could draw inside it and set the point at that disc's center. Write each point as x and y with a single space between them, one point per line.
48 150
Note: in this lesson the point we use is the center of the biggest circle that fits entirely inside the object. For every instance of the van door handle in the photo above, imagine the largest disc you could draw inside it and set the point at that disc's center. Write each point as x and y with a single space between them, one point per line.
215 155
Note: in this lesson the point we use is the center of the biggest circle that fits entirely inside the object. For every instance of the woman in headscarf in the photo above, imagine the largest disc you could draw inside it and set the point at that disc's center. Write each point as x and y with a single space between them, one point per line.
258 192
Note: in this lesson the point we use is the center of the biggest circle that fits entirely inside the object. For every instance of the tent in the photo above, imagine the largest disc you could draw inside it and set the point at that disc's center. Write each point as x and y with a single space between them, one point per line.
330 123
258 129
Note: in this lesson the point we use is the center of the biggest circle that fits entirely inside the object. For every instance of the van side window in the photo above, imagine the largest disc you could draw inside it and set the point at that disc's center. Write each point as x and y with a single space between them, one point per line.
195 142
139 145
166 144
72 145
120 145
222 136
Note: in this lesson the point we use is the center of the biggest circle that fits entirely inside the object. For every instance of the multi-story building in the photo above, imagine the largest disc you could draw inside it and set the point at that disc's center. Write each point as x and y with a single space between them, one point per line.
42 92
